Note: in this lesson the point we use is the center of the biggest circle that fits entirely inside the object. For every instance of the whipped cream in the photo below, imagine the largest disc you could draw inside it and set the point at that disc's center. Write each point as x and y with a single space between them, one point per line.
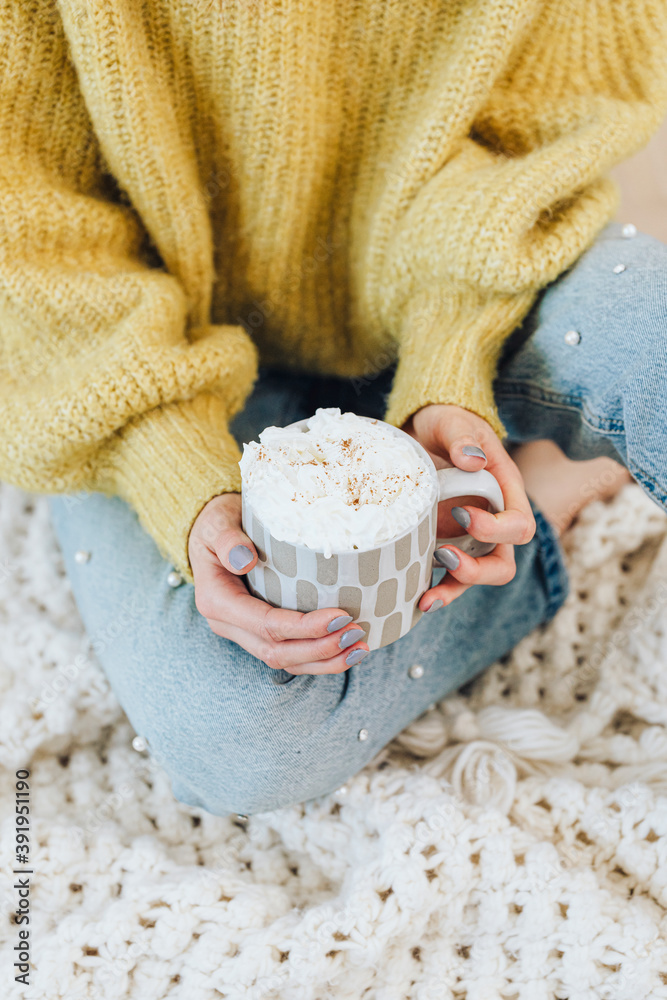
344 483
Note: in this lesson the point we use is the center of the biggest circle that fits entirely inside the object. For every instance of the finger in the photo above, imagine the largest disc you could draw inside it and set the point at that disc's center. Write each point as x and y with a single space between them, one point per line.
442 595
290 654
467 575
221 533
448 526
458 436
495 569
508 526
338 664
235 550
512 485
223 597
466 441
465 452
515 524
283 656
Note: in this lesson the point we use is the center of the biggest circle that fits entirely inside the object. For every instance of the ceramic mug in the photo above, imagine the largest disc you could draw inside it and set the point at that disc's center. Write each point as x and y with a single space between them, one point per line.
380 586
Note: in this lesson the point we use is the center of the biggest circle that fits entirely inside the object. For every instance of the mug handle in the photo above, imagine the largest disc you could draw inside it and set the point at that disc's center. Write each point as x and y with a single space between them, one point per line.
458 483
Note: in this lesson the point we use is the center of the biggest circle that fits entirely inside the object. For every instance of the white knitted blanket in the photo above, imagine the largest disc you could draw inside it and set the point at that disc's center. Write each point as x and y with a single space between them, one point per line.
511 844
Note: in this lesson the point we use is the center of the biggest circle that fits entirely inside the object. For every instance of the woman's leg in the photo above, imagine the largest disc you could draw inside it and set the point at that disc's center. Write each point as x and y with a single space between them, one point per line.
234 735
588 367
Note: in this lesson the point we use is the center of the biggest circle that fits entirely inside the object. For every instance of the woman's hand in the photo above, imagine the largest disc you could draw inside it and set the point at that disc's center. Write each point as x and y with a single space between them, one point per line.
319 642
455 434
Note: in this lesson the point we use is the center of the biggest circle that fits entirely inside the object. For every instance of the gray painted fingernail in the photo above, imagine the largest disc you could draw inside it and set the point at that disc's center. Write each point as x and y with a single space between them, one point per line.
446 558
353 635
339 622
435 606
356 656
461 516
240 557
473 451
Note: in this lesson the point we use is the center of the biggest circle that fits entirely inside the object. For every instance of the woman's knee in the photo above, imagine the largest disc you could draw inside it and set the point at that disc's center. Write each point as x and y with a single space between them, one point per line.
254 779
267 746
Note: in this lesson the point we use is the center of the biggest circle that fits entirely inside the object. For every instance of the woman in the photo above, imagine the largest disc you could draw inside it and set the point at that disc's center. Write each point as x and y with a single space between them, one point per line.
364 199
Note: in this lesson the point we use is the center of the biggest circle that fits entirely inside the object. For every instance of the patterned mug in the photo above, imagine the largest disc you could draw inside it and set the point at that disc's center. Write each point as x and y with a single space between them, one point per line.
381 586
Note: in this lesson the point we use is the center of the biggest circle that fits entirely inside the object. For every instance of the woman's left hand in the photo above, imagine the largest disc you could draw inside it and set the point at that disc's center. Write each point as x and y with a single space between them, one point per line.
448 432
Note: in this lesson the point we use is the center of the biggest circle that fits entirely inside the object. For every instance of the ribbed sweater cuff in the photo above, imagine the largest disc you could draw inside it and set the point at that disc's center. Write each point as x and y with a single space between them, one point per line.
449 352
168 463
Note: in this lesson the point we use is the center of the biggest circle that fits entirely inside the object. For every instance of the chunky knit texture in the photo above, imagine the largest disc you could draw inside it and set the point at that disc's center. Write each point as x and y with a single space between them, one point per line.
186 188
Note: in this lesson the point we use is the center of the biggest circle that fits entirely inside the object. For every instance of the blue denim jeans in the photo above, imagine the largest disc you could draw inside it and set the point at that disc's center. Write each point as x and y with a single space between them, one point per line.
236 736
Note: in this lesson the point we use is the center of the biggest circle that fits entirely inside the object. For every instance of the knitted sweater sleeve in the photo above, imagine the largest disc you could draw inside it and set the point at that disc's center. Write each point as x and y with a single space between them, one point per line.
104 385
500 215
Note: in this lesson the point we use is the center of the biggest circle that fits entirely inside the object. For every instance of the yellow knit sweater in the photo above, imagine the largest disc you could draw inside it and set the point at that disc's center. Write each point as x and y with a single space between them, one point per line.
188 186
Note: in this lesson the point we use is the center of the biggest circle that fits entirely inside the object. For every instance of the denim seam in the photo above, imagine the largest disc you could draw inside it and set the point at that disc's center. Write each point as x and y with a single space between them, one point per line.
652 486
521 390
553 564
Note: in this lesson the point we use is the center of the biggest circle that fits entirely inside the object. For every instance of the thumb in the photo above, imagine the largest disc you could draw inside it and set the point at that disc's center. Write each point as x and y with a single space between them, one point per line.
452 431
466 453
235 551
219 529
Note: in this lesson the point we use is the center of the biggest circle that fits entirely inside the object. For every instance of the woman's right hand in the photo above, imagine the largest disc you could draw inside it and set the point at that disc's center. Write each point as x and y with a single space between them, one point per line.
318 642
